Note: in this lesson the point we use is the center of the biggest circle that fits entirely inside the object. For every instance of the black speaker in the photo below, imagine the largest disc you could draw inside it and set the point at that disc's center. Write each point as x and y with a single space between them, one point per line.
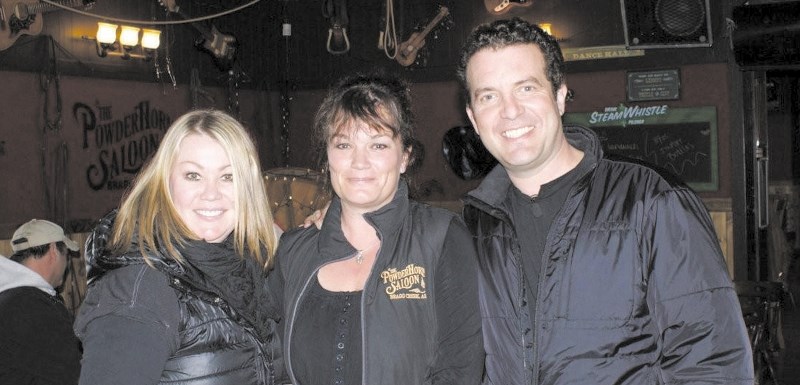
666 23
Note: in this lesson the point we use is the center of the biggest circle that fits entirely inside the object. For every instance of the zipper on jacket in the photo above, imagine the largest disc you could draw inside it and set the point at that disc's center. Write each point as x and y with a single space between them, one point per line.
287 355
502 216
528 362
579 185
363 317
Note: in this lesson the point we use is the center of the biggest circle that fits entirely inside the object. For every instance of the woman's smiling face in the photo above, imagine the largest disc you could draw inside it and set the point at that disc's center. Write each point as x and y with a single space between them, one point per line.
202 188
365 165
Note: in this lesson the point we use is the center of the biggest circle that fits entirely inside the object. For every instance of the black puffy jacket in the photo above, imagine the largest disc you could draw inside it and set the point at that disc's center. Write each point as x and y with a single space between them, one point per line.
215 345
633 288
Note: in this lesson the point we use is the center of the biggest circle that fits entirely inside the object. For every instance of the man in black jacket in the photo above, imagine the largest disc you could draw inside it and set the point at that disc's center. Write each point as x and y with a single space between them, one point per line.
37 345
592 270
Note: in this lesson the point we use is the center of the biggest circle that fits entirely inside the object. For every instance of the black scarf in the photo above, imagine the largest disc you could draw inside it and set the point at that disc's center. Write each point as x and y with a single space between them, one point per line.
216 268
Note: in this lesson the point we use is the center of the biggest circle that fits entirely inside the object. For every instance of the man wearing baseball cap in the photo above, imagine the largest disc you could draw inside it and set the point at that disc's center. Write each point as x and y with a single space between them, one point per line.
37 344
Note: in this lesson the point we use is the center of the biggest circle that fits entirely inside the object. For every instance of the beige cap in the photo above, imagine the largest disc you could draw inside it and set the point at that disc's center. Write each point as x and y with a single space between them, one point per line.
39 232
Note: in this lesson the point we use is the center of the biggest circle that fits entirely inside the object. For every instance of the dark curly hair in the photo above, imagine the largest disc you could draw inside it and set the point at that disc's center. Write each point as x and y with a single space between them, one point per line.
380 100
506 32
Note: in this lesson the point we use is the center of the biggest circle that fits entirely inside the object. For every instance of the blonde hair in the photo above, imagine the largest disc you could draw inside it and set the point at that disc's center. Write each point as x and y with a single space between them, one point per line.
147 209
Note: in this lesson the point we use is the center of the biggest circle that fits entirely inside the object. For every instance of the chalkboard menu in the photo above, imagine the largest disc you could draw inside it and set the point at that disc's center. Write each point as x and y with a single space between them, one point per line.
682 141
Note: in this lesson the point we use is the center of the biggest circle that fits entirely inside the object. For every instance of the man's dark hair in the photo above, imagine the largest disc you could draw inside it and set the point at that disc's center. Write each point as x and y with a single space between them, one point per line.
37 252
506 32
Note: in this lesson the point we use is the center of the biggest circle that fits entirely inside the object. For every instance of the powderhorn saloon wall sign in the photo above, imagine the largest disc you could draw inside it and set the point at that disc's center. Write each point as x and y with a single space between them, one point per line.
121 144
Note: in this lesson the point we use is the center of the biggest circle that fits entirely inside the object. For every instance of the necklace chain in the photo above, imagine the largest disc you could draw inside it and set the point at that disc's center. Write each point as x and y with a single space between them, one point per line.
360 253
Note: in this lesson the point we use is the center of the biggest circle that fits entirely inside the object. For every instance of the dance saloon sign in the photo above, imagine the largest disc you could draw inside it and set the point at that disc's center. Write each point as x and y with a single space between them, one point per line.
118 144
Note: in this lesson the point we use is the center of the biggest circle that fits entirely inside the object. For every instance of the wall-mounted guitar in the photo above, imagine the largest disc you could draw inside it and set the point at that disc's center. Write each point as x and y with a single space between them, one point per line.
498 7
221 46
19 17
407 52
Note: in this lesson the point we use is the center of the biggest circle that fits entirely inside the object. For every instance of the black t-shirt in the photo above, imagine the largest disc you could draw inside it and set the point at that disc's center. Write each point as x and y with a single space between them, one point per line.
327 347
532 217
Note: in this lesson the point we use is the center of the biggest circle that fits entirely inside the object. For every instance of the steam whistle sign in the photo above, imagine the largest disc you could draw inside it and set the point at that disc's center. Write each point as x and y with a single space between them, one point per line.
122 144
682 141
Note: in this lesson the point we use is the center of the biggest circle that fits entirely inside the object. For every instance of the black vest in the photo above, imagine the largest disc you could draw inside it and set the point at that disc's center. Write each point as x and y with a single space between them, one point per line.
215 347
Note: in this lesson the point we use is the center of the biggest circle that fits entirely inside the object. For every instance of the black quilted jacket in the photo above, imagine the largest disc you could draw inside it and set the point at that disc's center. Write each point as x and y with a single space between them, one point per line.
633 288
216 346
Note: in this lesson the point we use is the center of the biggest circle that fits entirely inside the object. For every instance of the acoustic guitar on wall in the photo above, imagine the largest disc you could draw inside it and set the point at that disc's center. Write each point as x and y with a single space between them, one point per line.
407 52
22 17
498 7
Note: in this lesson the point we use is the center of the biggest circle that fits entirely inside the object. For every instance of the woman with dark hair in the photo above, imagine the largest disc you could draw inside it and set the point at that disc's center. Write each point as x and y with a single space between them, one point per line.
385 292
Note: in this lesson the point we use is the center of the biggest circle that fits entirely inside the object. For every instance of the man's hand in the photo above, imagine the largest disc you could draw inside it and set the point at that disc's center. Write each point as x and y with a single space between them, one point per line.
316 217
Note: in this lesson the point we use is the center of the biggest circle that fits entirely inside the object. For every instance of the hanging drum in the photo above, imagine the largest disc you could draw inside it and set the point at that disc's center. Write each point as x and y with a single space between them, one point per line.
294 194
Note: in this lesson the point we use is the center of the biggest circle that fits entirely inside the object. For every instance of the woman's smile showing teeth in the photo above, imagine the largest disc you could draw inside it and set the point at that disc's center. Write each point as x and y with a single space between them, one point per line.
202 187
517 132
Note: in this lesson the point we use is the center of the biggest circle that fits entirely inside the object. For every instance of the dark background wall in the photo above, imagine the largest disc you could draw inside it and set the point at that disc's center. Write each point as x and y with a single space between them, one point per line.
269 60
276 83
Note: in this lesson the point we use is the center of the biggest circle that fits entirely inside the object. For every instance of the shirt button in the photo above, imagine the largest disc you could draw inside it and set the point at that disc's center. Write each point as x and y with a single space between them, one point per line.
340 345
339 357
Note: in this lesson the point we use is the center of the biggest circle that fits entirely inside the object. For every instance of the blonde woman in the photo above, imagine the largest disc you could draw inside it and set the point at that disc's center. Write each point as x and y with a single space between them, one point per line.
176 275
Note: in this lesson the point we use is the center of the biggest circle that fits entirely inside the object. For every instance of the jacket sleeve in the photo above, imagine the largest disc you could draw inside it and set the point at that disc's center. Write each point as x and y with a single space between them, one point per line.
275 288
128 325
697 312
459 357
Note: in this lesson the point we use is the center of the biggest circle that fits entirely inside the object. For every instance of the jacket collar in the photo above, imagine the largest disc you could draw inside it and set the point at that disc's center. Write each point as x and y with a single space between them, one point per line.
494 188
99 260
387 222
585 140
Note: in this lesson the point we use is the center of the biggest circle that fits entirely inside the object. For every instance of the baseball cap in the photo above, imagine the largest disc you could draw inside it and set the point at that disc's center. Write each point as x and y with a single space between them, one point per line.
39 232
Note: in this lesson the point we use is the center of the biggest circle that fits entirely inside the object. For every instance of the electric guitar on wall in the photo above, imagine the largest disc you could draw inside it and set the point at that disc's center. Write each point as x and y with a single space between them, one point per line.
407 51
498 7
221 46
19 17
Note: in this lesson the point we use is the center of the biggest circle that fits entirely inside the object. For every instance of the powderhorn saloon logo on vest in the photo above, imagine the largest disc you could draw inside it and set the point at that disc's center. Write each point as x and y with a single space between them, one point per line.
123 144
408 283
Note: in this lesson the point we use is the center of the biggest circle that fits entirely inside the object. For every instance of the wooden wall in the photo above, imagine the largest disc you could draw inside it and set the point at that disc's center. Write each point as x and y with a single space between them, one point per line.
68 150
72 174
60 170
